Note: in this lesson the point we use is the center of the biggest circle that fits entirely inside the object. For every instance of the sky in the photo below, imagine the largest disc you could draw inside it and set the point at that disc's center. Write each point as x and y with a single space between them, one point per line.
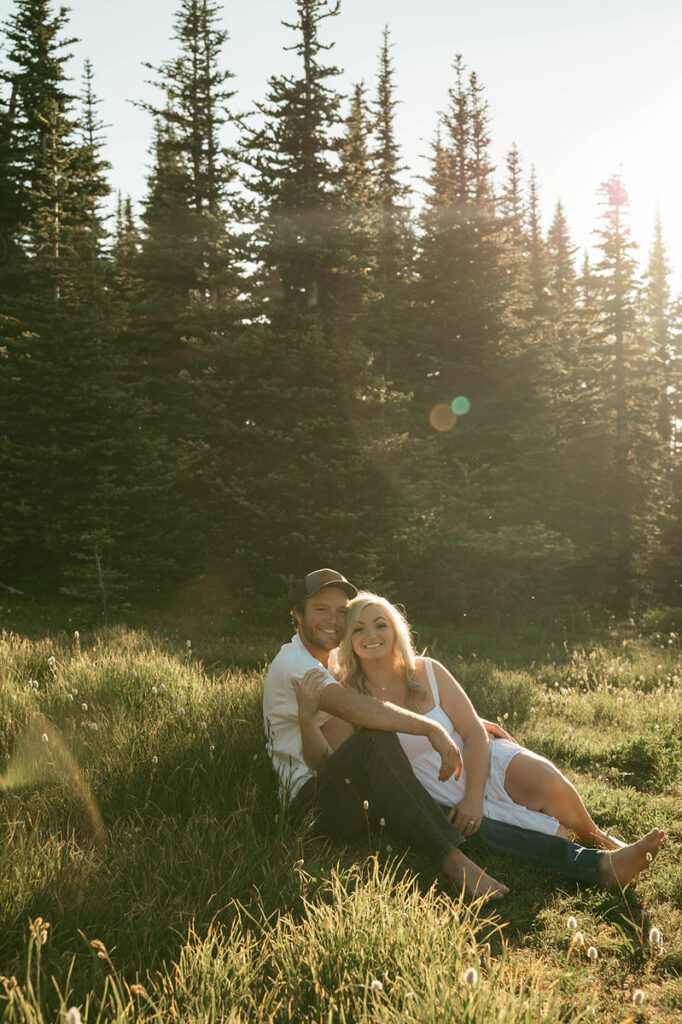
585 89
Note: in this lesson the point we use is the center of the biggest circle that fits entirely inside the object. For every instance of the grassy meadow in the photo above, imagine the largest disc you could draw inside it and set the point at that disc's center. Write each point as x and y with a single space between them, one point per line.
149 872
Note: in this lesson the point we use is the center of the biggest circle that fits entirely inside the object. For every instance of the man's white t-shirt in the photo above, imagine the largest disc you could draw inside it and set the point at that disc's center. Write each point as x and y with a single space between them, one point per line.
280 713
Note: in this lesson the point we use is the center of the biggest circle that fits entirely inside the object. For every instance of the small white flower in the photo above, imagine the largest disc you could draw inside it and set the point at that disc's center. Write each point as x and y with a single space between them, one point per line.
376 985
76 635
35 684
6 757
162 687
45 738
181 712
485 951
75 692
84 707
382 822
347 782
73 1016
69 697
638 997
51 660
155 759
592 953
154 690
255 757
365 804
389 848
654 937
505 716
470 977
93 727
13 698
572 924
188 644
212 746
578 939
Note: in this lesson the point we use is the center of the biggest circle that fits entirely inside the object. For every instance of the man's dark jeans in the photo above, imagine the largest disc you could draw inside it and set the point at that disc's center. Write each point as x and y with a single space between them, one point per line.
372 767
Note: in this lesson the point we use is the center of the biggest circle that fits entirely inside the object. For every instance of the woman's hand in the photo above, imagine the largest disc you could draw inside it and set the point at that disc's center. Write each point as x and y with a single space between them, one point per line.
467 815
308 692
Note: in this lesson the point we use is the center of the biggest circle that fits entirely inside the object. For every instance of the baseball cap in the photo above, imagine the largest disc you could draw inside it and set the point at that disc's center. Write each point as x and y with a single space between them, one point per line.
320 578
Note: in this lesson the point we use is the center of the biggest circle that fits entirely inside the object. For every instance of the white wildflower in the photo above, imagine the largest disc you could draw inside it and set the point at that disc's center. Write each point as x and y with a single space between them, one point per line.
655 937
69 697
76 635
45 738
592 953
154 690
181 712
75 692
505 716
389 848
470 977
155 759
638 997
73 1016
376 985
52 660
347 781
162 687
93 727
578 939
365 804
382 822
188 645
572 924
84 707
13 698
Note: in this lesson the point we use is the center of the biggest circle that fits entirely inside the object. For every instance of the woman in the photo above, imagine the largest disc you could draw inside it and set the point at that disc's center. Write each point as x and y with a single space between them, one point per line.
500 779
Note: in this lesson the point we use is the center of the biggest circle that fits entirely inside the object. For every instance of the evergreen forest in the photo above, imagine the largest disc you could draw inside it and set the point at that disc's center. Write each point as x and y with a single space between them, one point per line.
289 353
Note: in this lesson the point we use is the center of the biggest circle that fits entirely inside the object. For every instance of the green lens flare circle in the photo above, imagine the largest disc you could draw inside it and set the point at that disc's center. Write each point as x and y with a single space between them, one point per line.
460 405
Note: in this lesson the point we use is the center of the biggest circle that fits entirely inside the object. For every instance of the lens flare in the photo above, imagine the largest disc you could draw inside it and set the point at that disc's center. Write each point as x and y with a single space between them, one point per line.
35 763
442 417
461 405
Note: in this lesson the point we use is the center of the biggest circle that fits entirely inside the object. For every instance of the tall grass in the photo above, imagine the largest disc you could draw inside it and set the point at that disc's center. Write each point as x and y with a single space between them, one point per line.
148 871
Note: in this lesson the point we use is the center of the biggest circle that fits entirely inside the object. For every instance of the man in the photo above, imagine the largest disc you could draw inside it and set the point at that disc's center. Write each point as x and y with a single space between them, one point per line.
369 774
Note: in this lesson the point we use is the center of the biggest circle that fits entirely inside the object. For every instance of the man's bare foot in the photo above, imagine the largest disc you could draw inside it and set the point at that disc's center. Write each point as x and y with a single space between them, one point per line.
464 872
617 869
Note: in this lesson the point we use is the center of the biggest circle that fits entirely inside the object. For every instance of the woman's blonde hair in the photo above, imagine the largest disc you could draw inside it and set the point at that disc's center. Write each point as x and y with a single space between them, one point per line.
404 654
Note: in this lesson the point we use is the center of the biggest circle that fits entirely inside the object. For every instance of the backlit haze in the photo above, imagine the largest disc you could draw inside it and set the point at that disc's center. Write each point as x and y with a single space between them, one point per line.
585 88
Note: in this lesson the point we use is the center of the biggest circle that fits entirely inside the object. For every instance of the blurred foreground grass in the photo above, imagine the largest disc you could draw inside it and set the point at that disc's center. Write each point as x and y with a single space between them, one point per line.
140 822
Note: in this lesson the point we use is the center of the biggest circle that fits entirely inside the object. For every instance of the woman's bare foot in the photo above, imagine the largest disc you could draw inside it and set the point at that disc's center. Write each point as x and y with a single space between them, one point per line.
464 872
607 842
618 869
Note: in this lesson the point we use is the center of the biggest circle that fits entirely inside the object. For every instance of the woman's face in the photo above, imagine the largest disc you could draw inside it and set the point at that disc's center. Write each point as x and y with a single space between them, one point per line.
373 635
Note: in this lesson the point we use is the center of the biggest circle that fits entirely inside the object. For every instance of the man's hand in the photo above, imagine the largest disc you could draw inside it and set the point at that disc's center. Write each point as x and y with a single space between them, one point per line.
308 690
467 815
450 757
496 731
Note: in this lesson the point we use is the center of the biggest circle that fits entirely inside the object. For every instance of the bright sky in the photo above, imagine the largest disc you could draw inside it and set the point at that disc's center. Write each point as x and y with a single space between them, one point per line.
585 88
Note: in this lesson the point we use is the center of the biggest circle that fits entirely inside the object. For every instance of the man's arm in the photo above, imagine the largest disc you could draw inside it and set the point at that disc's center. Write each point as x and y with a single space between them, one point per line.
368 713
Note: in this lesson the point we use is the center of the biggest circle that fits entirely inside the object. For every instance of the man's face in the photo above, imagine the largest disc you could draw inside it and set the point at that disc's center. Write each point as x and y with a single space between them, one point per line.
324 619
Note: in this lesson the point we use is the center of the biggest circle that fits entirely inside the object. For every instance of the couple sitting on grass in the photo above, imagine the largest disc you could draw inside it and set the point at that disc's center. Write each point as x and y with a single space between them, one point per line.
359 727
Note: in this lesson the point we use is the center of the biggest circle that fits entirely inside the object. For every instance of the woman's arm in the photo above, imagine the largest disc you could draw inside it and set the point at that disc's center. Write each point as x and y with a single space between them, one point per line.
476 754
308 690
318 741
